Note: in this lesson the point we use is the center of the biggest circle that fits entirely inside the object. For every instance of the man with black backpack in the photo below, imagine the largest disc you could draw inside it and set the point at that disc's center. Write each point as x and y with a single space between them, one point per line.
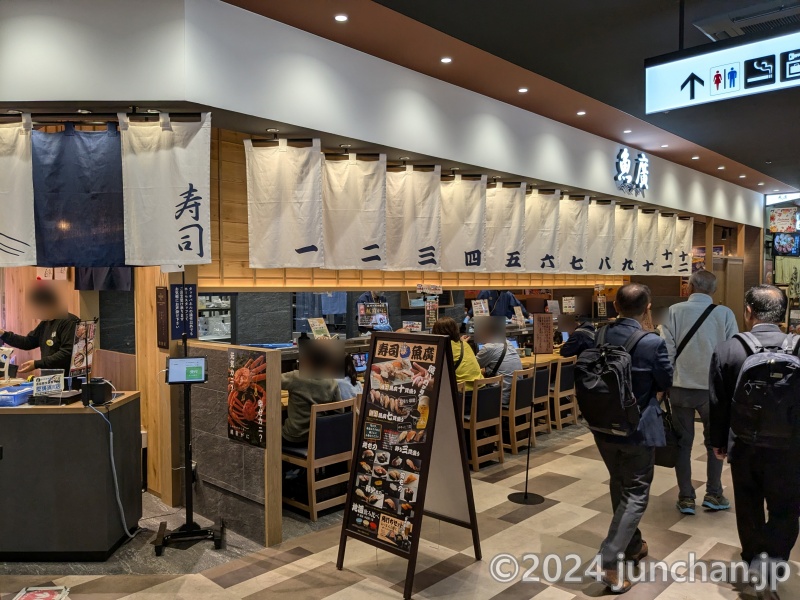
755 401
617 384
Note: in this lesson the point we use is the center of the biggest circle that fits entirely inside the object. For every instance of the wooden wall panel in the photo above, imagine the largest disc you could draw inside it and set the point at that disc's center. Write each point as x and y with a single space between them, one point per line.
117 367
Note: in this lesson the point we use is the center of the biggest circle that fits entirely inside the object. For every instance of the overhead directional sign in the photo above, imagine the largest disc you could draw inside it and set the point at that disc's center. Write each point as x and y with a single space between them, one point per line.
678 81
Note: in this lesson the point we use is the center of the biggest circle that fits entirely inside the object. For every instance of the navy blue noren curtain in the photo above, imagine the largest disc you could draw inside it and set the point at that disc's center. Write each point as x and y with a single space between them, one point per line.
77 190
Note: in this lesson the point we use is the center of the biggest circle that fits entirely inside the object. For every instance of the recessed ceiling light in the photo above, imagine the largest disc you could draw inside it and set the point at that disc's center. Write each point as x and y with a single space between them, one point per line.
665 145
742 176
523 90
581 113
341 18
447 60
273 130
455 168
760 183
721 168
695 158
14 111
83 111
405 158
345 145
152 111
776 190
769 162
627 131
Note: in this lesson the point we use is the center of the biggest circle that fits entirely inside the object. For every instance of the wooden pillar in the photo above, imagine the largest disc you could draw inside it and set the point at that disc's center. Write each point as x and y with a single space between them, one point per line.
159 402
740 240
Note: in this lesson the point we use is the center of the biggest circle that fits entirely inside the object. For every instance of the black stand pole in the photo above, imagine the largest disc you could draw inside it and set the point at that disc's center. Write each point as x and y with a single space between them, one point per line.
189 531
524 497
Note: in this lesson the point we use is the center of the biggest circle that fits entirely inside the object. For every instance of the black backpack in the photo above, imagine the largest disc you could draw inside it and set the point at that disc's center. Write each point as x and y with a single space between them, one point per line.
604 386
765 411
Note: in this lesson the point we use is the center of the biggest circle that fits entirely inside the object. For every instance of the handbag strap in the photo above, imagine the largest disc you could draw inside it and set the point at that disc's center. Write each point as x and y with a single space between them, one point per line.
694 329
499 360
461 357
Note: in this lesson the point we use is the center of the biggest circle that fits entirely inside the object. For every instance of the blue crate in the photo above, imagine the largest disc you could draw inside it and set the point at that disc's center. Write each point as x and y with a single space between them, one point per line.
15 395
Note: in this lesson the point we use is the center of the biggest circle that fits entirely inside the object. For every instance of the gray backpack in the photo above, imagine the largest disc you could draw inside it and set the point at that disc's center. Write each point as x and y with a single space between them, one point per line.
766 402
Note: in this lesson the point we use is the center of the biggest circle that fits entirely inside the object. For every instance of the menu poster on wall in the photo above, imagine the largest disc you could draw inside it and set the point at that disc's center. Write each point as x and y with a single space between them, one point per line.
162 317
568 303
374 315
319 328
183 305
83 349
553 307
429 289
431 313
413 326
783 220
247 397
409 399
480 308
684 291
601 305
543 333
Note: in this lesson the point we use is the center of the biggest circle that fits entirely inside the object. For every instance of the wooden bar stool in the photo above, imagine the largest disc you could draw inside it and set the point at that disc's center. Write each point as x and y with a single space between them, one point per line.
485 412
519 405
541 401
330 441
562 393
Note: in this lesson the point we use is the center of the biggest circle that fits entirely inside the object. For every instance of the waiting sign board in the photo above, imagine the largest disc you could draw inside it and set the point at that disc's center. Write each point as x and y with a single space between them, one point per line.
721 74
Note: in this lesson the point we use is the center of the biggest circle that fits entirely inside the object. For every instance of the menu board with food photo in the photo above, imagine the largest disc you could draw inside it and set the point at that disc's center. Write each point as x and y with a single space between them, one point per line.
393 440
247 397
83 349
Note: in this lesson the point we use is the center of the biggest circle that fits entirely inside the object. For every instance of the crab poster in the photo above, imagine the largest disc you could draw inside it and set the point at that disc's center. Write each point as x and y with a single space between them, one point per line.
247 397
393 442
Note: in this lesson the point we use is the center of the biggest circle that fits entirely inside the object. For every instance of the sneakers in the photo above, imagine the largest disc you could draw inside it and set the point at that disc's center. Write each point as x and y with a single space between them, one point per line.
686 506
716 502
638 556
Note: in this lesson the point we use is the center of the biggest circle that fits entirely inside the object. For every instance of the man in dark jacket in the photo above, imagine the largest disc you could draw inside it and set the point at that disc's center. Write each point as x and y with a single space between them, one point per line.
501 304
54 335
631 460
581 335
759 474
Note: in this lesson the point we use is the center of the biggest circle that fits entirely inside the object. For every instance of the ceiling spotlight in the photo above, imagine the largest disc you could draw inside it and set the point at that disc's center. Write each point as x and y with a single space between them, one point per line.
523 90
273 130
152 111
760 183
695 158
341 18
665 145
627 131
83 111
455 168
769 162
776 190
345 145
405 158
742 176
581 113
721 168
447 60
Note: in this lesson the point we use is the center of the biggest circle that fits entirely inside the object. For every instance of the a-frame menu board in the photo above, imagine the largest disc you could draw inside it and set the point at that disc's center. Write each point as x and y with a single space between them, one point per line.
410 457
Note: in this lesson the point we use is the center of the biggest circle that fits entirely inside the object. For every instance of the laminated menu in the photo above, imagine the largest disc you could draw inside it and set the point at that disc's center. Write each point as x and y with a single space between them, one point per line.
409 396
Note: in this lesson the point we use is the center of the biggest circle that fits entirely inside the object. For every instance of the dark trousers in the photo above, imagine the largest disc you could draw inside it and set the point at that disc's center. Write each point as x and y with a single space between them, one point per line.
631 469
683 417
772 476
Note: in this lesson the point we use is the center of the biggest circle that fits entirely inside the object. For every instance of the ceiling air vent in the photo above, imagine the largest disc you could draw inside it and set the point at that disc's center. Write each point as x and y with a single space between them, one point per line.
759 19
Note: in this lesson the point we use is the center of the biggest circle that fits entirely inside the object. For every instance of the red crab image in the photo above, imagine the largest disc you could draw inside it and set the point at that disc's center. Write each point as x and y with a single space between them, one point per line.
244 394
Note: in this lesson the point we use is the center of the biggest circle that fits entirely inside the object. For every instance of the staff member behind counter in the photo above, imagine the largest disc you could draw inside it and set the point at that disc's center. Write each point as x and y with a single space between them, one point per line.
501 304
54 335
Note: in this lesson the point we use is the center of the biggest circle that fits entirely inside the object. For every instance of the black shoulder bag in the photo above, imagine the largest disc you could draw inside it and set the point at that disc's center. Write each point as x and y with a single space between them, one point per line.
460 358
499 360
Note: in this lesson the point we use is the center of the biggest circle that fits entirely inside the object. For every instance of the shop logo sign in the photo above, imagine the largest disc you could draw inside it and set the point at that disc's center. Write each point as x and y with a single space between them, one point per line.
637 181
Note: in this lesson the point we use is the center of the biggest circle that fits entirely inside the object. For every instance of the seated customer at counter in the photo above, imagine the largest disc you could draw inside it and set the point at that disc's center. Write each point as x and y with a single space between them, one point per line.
349 385
314 383
54 335
581 334
467 367
496 355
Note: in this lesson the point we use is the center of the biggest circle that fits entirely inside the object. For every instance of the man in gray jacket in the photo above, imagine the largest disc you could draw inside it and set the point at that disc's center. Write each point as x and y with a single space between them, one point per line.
689 393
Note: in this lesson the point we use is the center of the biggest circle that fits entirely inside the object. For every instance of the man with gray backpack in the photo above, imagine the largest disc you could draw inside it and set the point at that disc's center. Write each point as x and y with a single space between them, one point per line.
755 422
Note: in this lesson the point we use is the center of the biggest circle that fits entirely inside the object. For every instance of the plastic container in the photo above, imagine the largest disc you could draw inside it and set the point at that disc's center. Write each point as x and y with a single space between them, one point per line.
15 395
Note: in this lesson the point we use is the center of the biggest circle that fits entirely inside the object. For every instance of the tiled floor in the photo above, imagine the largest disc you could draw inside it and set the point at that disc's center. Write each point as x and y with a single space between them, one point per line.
572 520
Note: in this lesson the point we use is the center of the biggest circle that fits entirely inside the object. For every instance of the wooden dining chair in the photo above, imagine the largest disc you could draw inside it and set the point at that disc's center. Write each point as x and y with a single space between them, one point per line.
516 415
485 413
330 441
562 393
542 423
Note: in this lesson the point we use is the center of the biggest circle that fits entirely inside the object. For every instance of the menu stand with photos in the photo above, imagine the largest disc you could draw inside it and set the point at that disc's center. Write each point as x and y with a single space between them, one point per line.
187 371
408 441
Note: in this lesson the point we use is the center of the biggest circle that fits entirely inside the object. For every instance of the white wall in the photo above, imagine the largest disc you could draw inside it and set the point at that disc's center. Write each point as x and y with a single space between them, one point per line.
228 58
54 50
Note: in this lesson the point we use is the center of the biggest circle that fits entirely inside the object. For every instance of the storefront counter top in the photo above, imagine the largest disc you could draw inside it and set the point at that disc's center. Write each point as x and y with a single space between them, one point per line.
119 400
